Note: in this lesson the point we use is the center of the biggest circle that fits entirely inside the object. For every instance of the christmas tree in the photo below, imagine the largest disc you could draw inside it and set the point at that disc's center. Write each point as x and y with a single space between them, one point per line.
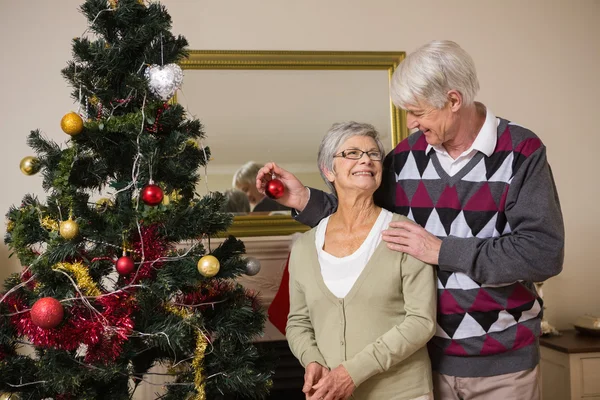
107 290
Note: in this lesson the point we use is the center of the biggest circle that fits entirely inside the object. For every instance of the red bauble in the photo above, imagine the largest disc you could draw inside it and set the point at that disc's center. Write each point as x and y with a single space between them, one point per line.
152 194
47 313
275 189
125 265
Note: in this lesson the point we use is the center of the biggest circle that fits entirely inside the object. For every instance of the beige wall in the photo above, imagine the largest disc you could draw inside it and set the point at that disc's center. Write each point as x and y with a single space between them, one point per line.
537 61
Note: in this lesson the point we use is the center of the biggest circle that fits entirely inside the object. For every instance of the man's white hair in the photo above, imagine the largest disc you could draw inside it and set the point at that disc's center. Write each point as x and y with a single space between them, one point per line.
430 72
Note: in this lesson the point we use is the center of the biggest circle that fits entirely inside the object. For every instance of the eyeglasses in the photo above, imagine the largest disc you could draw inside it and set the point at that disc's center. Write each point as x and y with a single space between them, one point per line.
356 154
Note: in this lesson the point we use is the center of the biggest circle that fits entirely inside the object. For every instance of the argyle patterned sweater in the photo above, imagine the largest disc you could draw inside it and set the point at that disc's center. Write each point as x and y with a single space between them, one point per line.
501 227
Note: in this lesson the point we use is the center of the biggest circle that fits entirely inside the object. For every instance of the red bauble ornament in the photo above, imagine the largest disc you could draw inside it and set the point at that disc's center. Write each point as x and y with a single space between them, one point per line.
275 189
47 313
152 194
125 265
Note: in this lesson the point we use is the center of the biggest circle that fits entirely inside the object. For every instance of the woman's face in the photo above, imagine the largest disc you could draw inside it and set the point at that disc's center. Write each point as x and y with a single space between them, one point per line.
362 174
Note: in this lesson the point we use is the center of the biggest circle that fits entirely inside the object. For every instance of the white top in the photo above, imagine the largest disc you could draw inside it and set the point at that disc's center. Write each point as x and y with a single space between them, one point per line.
340 273
485 142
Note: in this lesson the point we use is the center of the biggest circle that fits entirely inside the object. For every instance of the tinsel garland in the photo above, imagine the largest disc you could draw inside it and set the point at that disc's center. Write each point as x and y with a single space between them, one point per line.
182 312
207 292
26 276
82 277
151 245
103 334
198 365
50 224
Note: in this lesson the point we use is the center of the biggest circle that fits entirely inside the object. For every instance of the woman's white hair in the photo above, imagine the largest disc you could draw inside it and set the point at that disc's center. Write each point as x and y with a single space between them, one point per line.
335 137
246 174
430 72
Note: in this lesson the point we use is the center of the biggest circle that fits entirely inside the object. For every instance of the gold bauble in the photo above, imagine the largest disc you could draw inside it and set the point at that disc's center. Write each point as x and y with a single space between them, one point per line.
30 165
69 229
6 396
72 124
208 266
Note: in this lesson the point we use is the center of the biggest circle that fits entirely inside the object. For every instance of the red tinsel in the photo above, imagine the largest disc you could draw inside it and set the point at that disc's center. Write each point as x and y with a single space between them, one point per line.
103 334
153 247
25 276
254 300
207 293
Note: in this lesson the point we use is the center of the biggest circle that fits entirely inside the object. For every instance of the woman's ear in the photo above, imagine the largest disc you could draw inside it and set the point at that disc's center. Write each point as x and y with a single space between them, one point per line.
328 174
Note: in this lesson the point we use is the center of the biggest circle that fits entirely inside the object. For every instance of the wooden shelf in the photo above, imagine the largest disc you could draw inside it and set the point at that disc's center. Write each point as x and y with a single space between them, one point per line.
572 342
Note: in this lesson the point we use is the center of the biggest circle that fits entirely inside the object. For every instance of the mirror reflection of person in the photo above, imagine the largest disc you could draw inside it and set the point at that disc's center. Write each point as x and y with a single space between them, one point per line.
244 179
360 313
236 202
482 193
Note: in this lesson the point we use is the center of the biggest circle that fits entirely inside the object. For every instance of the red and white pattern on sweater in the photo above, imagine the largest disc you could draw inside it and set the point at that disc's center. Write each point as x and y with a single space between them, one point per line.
473 318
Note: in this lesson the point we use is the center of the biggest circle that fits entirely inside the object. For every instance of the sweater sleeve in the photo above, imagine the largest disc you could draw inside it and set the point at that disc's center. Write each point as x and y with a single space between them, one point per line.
385 195
319 206
299 330
404 339
534 249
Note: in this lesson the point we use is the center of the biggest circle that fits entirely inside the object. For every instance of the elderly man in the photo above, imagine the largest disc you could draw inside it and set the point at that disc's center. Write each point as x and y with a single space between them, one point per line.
486 212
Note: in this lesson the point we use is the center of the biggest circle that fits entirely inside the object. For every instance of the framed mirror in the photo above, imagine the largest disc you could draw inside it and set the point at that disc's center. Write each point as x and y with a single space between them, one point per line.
276 106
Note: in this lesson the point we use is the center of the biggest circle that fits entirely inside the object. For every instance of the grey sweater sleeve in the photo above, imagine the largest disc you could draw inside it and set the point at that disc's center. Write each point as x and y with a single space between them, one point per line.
534 249
320 205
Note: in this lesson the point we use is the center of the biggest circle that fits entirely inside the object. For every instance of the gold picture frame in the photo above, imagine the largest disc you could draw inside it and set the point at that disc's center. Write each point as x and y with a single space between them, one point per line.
277 225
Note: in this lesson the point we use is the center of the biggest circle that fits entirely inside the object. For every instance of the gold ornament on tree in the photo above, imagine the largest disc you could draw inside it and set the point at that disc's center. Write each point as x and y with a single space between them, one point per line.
103 204
173 197
69 229
30 165
208 266
71 124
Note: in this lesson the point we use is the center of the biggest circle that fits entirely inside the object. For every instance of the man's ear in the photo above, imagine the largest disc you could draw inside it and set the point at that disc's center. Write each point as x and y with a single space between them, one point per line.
455 99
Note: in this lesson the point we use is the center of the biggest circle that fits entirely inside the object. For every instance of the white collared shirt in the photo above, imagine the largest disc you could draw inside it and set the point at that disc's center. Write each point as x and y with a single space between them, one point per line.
485 142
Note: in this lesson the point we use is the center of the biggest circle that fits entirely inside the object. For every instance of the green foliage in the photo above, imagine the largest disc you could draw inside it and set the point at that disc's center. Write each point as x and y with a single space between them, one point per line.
129 138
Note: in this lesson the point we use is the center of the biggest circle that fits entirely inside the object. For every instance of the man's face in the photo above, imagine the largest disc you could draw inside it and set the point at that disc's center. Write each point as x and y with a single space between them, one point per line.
436 124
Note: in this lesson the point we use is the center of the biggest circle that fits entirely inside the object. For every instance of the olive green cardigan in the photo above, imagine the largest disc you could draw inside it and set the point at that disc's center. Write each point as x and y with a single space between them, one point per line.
377 332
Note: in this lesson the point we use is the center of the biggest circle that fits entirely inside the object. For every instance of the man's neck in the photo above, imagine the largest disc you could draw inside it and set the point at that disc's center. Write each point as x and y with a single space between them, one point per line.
469 124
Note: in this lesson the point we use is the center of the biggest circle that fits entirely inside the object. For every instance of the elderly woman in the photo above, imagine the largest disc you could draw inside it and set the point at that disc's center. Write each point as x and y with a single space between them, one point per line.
360 313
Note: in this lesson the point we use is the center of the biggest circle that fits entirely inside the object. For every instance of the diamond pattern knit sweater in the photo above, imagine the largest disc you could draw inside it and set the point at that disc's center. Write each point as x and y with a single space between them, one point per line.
501 227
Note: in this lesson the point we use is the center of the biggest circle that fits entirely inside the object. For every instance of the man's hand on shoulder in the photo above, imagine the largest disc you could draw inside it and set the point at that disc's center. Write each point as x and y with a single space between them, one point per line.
414 240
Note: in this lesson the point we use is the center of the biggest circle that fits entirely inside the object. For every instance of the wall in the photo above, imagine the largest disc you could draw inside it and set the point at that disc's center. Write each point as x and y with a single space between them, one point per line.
537 62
